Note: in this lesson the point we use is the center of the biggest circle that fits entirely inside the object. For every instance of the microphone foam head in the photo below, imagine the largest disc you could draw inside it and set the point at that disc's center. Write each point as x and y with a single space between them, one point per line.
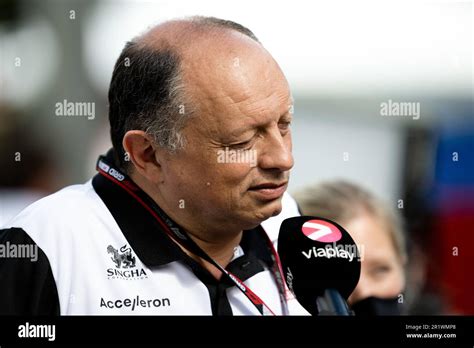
317 254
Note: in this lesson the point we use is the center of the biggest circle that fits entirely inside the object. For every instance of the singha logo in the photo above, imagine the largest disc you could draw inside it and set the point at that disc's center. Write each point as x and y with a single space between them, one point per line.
122 259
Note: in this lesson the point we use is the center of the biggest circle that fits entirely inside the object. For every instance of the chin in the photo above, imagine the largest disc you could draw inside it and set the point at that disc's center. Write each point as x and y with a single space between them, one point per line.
258 211
271 209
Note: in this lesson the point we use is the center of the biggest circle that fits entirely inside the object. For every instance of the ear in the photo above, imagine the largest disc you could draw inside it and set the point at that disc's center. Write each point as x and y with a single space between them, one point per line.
143 154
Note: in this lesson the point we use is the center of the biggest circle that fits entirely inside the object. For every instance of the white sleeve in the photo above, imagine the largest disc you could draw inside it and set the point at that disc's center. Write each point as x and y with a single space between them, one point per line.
272 225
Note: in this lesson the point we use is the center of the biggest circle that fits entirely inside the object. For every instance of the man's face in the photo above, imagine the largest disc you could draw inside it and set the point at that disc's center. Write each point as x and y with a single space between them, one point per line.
235 166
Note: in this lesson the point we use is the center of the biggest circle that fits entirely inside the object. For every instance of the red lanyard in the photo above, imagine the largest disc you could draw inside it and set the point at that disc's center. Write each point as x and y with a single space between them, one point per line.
174 231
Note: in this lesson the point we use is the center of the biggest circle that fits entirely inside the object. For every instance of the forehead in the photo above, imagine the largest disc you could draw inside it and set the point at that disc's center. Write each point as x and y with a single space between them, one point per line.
236 82
374 235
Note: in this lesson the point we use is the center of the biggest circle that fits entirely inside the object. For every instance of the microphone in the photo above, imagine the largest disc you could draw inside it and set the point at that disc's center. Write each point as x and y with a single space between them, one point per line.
321 263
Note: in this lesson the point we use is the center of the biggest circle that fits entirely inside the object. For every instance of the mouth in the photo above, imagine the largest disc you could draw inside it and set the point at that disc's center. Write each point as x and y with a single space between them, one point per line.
269 191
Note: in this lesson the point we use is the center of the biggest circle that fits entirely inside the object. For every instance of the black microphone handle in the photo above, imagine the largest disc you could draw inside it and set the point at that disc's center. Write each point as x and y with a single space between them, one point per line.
332 303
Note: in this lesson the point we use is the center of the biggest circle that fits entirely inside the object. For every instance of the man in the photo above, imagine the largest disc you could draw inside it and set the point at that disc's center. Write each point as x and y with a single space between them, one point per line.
200 115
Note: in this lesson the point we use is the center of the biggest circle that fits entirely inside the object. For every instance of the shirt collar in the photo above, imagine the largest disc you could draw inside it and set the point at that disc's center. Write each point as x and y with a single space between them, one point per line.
147 237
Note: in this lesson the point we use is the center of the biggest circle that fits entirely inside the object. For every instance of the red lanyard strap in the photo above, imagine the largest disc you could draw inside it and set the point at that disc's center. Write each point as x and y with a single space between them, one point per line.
175 232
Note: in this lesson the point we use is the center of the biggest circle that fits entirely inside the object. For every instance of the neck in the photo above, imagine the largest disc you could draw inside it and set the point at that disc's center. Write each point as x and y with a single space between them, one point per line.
221 250
212 240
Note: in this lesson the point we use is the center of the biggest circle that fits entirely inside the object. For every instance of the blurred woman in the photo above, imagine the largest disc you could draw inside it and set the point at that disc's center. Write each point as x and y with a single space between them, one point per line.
376 230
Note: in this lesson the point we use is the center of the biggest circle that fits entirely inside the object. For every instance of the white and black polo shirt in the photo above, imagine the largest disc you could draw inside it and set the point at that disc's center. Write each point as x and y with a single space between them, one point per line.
100 252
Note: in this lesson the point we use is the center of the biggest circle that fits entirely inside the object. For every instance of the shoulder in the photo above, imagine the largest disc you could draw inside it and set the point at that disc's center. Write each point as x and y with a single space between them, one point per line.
60 218
62 205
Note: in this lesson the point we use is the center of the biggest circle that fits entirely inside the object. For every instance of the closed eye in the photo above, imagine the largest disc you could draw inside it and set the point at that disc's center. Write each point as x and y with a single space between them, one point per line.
380 271
241 145
284 126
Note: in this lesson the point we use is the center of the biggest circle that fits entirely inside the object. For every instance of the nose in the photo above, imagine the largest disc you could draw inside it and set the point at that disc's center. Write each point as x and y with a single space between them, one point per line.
276 154
362 290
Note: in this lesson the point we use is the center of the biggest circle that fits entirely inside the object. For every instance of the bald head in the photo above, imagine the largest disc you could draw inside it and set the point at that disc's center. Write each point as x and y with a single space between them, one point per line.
147 90
180 32
211 52
178 69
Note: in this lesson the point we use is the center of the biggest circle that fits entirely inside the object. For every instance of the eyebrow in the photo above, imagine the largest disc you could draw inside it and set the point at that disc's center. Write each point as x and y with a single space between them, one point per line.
378 260
241 130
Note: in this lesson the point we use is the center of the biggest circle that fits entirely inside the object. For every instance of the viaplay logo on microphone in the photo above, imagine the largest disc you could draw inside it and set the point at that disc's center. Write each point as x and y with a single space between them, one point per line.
325 232
321 231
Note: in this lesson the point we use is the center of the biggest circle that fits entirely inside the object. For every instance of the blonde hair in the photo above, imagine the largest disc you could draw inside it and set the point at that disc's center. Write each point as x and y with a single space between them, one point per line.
342 201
